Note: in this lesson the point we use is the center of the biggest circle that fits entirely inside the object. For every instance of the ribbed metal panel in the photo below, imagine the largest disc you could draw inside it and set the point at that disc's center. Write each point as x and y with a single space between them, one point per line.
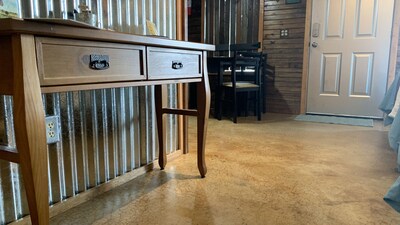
13 203
104 133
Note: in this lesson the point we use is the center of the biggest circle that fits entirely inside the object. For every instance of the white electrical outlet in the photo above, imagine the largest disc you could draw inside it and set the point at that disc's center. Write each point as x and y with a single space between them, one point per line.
284 33
52 129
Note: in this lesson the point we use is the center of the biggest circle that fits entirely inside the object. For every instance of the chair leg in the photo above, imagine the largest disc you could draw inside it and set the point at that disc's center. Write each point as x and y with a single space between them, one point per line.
234 107
246 113
218 104
256 100
264 104
259 101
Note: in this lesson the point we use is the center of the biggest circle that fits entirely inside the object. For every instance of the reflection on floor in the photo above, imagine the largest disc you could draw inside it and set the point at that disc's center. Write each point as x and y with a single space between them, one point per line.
277 171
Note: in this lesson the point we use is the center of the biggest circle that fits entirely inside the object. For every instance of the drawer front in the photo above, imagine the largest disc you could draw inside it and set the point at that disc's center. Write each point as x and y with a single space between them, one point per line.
63 61
166 63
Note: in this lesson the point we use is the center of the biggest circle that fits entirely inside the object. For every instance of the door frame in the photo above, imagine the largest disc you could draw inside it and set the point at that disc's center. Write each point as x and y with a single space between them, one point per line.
306 53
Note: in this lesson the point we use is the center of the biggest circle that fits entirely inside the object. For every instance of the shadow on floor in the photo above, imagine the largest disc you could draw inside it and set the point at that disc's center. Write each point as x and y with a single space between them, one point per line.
115 199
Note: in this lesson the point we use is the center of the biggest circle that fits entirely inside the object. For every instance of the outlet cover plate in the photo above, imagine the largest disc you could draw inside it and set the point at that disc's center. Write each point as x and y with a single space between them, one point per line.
284 33
52 129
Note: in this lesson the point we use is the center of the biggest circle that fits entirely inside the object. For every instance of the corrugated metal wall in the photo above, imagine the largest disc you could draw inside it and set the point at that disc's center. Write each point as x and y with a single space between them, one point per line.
105 133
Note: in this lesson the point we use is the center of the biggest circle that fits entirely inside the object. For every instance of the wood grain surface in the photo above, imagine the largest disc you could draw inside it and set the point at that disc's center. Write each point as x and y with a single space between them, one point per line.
9 26
30 127
64 61
160 62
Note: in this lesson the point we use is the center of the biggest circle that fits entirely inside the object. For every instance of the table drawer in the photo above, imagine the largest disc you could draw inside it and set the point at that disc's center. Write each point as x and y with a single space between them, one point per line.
64 61
164 63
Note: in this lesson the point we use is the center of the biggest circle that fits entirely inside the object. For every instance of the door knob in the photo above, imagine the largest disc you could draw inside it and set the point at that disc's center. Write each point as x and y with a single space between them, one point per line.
314 44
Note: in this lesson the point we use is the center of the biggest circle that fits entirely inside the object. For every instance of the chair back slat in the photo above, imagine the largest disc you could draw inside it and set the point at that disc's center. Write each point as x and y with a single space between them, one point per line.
245 47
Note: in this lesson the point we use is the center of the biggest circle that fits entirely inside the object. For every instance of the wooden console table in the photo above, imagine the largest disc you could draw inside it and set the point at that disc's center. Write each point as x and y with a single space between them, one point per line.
38 58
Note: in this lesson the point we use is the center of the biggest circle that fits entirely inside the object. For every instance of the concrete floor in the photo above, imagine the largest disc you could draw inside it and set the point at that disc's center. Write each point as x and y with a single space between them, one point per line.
277 171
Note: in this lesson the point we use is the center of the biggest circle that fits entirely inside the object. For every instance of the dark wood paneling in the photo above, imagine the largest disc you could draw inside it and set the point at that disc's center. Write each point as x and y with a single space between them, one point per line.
286 54
232 21
194 35
194 22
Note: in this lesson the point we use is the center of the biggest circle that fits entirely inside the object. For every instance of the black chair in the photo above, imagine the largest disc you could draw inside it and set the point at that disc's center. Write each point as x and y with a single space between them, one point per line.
244 79
267 72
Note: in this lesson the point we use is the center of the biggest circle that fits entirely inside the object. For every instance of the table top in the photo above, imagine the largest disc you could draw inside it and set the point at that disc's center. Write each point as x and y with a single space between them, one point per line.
12 26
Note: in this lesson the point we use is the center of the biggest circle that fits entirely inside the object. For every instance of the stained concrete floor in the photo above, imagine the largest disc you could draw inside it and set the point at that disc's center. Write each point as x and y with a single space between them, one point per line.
277 171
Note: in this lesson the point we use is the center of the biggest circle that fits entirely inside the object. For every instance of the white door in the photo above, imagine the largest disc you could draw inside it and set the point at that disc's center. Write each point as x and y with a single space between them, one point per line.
349 56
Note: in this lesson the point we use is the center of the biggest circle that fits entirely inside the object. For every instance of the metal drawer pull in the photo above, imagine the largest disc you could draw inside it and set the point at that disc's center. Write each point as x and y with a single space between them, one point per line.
99 62
176 65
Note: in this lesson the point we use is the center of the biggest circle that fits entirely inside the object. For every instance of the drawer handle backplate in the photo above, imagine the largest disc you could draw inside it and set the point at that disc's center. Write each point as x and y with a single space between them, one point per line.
99 62
176 65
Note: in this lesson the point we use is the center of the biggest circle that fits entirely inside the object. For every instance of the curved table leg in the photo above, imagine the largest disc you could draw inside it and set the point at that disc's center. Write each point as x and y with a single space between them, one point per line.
203 111
162 155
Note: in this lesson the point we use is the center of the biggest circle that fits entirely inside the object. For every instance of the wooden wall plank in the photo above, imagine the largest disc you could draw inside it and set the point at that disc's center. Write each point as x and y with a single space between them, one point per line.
285 53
